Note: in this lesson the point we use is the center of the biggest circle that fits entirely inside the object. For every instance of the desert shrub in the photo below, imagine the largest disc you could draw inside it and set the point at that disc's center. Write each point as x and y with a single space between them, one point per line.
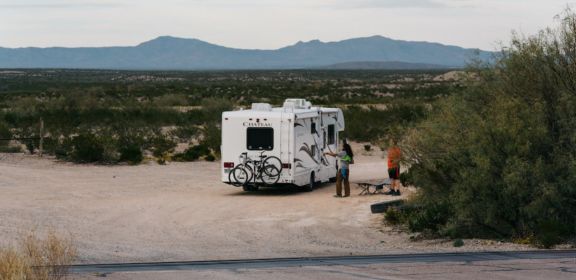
131 153
161 145
499 159
36 258
49 256
10 149
367 148
368 124
171 100
186 132
213 108
5 131
13 265
193 153
63 148
406 178
30 146
210 157
458 243
5 134
87 148
50 145
130 148
212 138
393 216
429 216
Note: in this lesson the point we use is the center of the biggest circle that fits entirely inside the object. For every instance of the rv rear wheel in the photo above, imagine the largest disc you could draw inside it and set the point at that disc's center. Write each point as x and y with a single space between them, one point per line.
311 184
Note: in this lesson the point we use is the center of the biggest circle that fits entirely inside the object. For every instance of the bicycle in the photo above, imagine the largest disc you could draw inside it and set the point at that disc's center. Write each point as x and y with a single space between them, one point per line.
266 170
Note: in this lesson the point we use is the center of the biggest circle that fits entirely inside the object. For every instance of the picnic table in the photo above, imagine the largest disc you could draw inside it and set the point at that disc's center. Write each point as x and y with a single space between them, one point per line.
370 188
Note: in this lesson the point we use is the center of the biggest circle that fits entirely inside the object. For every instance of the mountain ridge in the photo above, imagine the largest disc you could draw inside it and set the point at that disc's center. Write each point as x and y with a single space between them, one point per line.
174 53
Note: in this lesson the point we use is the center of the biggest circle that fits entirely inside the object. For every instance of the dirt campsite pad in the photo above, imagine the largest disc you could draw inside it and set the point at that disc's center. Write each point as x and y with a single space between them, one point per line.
181 211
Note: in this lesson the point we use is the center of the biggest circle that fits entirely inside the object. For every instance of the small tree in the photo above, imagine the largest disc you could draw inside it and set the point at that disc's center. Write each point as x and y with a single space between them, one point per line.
500 159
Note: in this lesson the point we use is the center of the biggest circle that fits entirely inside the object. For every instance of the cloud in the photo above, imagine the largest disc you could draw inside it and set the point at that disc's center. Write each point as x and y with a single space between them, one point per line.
363 4
57 4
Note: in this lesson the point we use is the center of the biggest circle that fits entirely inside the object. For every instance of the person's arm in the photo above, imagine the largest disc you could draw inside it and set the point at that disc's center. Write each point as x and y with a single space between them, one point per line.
330 154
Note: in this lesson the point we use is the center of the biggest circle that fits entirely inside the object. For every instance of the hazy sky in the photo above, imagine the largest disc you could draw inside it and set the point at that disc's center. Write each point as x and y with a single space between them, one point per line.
269 24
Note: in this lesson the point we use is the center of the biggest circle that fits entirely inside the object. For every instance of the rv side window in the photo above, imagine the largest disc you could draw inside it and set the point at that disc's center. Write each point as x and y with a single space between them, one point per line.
260 138
313 128
331 135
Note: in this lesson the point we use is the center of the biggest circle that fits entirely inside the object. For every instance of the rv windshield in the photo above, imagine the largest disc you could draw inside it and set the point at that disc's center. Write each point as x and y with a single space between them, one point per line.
260 138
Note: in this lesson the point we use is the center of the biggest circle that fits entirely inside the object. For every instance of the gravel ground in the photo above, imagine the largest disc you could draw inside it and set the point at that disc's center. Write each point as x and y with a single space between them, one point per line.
181 211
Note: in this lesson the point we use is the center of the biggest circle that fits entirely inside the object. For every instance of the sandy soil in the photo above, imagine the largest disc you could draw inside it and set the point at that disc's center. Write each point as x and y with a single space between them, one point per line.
181 211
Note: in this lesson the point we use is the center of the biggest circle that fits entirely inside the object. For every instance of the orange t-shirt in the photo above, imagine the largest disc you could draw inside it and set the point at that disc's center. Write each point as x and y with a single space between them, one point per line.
394 154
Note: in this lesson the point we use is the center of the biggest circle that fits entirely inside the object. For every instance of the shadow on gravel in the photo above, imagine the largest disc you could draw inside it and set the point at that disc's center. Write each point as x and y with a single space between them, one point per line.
279 191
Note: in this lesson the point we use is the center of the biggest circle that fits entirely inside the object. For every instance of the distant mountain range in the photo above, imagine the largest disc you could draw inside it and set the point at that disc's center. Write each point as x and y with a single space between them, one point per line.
170 53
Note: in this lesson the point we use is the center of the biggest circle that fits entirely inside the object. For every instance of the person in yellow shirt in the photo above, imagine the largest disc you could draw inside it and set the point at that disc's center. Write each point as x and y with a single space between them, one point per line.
394 155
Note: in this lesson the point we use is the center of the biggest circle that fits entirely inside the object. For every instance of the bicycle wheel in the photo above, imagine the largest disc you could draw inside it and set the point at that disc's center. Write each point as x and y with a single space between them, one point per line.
238 176
273 161
267 178
248 169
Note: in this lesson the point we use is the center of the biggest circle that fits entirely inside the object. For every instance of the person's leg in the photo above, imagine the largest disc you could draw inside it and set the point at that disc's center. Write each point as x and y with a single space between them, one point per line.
347 183
391 175
397 180
339 184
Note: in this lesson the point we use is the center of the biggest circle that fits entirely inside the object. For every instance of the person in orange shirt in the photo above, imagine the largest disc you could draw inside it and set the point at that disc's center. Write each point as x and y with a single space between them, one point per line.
394 154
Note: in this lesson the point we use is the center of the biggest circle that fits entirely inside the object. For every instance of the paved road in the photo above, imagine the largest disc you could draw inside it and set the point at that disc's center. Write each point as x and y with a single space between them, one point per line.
251 264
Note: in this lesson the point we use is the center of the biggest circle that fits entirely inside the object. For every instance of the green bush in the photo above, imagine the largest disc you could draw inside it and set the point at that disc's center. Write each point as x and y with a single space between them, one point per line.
393 216
162 145
368 124
30 146
131 153
499 160
10 149
212 138
458 243
87 148
210 157
90 148
5 131
406 179
130 148
193 153
63 149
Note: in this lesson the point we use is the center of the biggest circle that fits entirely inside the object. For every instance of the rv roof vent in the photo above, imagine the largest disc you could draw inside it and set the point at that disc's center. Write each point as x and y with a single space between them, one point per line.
261 107
297 103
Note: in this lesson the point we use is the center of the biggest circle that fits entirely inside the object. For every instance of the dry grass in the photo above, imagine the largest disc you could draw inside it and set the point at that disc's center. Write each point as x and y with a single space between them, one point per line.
37 258
13 265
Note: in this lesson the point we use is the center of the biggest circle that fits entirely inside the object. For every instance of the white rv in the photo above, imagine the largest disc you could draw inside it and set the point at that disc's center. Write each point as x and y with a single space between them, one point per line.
267 146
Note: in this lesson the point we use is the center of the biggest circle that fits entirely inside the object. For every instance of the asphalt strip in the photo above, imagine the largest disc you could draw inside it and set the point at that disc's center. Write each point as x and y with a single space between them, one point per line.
323 261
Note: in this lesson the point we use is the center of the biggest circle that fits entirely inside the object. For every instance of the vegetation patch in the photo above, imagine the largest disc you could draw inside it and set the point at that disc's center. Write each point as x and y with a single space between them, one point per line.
498 159
38 258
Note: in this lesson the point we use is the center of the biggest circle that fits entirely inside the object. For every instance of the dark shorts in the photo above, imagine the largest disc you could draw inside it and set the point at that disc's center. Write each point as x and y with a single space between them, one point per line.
394 173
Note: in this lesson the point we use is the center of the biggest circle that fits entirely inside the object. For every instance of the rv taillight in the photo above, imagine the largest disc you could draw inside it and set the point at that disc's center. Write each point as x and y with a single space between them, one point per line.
228 165
286 165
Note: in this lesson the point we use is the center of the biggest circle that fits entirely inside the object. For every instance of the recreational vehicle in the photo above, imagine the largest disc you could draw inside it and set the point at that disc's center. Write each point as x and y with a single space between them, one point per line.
267 146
